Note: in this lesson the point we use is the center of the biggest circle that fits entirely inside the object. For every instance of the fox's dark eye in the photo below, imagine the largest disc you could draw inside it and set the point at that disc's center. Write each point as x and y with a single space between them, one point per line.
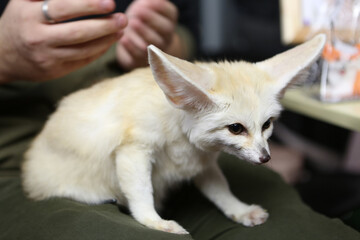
266 124
236 128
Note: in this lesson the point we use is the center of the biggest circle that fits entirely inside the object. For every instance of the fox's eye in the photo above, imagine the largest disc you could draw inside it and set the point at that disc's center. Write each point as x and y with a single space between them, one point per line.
266 124
236 128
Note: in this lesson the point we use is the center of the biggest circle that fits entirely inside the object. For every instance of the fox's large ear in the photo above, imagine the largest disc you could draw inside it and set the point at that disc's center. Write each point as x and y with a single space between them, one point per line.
184 84
289 67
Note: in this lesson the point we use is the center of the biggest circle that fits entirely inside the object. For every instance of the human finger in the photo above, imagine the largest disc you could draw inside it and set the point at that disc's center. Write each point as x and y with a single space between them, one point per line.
61 69
68 9
130 42
147 35
84 50
158 22
85 30
74 65
126 61
167 9
163 7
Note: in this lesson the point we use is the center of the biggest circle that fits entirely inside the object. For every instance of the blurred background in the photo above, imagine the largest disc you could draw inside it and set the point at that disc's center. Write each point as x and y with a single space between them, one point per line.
239 29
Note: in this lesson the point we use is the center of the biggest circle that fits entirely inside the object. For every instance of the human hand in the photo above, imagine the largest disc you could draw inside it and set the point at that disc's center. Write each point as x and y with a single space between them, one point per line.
32 49
150 22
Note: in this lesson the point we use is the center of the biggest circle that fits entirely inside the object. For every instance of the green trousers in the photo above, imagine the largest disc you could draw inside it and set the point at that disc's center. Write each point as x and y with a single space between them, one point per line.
24 107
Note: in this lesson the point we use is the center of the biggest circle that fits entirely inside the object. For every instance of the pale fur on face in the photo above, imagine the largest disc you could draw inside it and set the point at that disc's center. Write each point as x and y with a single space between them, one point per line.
242 94
219 94
132 137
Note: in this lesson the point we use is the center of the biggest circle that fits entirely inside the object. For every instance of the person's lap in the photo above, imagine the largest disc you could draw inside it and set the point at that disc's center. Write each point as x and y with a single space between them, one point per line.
22 218
24 109
289 217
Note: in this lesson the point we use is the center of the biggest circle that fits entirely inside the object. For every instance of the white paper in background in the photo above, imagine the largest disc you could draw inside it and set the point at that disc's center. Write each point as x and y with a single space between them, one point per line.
310 10
317 14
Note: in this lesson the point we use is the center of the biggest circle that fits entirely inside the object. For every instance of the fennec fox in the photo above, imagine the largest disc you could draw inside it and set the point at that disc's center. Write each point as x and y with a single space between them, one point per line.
132 137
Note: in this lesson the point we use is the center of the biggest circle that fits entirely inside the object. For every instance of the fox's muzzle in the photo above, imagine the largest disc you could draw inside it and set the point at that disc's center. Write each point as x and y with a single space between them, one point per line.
265 157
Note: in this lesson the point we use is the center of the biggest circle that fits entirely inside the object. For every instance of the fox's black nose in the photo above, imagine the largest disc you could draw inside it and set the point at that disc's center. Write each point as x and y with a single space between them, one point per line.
265 157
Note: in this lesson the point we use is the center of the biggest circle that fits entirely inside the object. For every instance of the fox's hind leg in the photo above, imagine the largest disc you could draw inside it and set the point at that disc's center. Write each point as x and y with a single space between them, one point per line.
214 186
133 167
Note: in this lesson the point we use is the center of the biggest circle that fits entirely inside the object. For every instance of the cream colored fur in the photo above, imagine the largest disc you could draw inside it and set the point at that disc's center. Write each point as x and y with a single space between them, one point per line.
125 139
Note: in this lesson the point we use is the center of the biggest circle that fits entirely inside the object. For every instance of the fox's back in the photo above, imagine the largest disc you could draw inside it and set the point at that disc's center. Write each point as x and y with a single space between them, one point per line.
80 138
108 110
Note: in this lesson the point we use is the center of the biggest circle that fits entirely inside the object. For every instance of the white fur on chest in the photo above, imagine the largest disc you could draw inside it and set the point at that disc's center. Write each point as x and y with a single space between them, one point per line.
178 161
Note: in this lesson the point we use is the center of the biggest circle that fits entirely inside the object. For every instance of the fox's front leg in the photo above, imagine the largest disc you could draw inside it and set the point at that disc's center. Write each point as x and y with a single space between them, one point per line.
214 186
133 167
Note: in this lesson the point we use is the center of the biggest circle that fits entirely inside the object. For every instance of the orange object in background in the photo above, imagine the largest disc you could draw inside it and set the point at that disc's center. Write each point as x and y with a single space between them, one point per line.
330 53
356 90
356 55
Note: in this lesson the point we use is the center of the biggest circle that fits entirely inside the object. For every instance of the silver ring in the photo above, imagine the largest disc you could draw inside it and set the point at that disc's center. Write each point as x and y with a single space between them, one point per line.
45 8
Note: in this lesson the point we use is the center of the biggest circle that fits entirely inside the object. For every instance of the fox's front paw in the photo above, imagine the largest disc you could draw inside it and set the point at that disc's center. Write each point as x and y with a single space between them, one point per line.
166 226
254 215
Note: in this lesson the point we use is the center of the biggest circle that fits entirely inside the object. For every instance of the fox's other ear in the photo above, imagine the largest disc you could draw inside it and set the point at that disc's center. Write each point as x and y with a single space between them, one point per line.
184 84
291 66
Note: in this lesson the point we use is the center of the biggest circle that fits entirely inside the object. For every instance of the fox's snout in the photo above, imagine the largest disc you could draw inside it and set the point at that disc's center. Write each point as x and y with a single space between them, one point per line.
265 156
